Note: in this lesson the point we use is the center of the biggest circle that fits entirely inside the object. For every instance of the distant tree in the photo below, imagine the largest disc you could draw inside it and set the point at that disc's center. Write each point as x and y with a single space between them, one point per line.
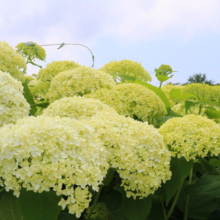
199 78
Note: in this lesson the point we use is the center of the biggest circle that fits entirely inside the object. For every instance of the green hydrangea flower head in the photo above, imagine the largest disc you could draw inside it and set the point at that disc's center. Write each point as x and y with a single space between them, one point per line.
201 91
79 81
47 153
55 67
13 105
77 108
11 62
39 89
28 78
32 51
191 136
137 152
132 100
126 68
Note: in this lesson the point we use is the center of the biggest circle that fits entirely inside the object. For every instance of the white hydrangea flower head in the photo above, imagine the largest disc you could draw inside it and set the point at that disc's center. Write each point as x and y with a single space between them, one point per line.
191 136
77 108
79 81
137 152
11 62
13 105
132 100
40 153
39 88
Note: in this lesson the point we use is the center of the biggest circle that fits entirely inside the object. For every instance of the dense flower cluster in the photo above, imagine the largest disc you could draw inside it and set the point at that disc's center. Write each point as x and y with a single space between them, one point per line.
132 100
31 52
79 81
137 152
39 153
39 89
191 136
202 91
77 107
126 68
13 105
55 67
11 61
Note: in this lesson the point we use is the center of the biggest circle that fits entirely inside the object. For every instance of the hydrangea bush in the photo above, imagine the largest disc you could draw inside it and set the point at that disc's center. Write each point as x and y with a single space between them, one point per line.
103 149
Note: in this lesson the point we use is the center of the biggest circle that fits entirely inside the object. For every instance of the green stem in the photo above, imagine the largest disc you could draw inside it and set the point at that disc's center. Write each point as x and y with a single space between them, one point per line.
160 85
175 201
94 202
164 212
187 198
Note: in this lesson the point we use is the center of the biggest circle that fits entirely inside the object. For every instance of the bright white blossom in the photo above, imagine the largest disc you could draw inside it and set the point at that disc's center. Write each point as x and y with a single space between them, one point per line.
77 107
13 105
191 136
11 62
79 81
40 153
137 152
132 100
118 69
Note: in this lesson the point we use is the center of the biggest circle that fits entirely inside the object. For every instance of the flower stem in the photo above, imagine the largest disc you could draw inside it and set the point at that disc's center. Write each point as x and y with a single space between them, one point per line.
94 202
187 198
175 201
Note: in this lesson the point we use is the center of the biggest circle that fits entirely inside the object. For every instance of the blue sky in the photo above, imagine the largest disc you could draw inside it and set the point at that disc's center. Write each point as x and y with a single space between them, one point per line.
182 33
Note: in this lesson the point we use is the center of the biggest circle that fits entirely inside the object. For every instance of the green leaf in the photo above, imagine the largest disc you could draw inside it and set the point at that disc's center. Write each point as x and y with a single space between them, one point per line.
178 94
113 201
156 212
211 113
110 174
214 162
9 209
188 105
200 207
29 44
42 104
29 98
135 209
66 216
38 55
207 185
170 112
158 91
163 78
39 206
206 165
180 169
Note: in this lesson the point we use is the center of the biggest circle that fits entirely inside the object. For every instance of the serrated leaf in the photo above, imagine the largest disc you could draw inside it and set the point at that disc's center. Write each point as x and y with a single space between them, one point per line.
214 162
180 169
9 209
39 206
